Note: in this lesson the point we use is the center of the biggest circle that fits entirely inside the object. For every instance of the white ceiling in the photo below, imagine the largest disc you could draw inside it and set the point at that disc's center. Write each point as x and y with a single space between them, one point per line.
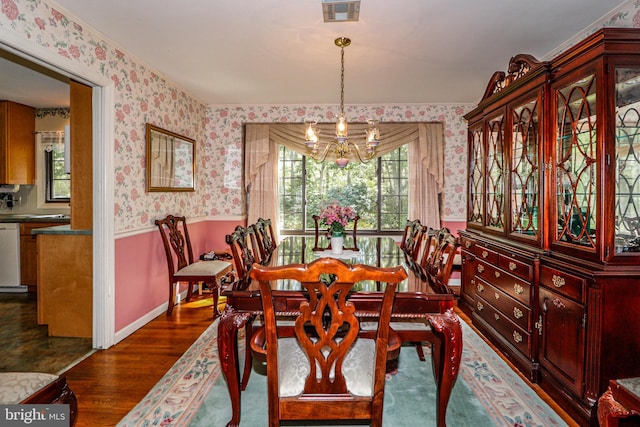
281 51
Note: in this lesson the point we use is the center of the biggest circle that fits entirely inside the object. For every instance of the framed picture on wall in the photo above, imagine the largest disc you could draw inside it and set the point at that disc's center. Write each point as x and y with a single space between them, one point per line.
171 160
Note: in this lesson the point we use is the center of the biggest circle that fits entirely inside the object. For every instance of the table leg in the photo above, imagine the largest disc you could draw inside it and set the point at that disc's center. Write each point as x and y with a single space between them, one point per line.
447 353
230 322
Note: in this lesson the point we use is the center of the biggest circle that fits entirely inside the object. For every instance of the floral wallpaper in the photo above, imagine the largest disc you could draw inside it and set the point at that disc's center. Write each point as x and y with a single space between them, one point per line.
224 140
142 95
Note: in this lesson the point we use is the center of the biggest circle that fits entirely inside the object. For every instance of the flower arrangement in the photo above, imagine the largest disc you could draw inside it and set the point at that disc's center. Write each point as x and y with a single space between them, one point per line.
337 217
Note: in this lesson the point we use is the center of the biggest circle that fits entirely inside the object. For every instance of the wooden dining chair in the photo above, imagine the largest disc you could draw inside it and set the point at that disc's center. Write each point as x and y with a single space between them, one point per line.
242 247
439 263
410 242
181 265
320 233
325 367
435 270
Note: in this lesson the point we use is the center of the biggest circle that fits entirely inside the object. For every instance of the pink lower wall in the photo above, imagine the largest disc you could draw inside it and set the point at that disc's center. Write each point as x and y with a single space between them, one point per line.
141 267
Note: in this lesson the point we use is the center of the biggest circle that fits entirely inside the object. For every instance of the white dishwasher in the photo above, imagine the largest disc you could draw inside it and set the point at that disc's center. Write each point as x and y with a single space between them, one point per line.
10 258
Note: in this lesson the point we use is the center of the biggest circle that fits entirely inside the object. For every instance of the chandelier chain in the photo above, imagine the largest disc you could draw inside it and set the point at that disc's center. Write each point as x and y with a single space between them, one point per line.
342 80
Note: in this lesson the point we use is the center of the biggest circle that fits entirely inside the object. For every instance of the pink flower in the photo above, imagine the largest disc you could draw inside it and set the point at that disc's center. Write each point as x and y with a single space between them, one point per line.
100 53
57 15
74 51
40 23
10 9
337 217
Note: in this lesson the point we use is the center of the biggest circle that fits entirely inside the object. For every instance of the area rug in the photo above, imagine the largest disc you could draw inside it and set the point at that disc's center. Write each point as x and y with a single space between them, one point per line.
487 392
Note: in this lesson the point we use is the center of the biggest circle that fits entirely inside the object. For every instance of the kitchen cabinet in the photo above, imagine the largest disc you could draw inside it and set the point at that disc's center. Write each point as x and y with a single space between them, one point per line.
28 253
65 283
17 143
552 267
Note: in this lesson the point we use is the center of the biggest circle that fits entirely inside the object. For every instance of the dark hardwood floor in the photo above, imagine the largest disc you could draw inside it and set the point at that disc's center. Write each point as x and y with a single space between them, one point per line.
110 382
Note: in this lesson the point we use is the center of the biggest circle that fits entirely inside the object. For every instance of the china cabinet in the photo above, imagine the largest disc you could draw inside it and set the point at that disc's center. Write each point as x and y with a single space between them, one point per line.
551 253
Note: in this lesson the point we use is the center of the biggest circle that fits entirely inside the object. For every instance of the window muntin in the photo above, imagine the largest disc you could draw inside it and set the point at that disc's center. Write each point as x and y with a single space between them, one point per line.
377 190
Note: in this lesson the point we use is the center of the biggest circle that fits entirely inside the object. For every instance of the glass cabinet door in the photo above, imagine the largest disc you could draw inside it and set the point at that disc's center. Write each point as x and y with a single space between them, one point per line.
525 169
495 173
576 163
476 176
627 152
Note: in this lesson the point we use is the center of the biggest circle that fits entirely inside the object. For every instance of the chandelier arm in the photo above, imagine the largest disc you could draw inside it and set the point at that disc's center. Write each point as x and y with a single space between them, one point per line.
357 150
325 152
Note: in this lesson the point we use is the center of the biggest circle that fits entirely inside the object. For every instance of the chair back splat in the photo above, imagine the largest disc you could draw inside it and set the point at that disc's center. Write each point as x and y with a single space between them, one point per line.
327 368
240 244
265 239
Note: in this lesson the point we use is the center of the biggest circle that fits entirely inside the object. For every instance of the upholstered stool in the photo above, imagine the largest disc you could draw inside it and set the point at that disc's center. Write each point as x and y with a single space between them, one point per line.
37 388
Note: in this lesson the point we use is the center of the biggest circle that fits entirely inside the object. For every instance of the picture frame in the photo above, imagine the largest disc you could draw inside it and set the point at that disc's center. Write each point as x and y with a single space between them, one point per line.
170 160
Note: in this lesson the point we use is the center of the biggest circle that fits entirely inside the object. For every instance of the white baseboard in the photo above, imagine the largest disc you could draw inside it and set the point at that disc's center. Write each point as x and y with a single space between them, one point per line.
134 326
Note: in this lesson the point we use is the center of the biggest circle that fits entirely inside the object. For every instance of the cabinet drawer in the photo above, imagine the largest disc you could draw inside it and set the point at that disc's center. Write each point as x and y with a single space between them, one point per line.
515 267
486 254
563 283
467 244
517 312
511 332
508 283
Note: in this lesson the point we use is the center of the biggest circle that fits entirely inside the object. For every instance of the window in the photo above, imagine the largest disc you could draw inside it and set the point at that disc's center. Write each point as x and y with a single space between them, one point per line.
377 190
57 182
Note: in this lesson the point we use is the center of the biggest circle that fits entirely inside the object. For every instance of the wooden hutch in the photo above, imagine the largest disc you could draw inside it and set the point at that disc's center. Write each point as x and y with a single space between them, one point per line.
551 253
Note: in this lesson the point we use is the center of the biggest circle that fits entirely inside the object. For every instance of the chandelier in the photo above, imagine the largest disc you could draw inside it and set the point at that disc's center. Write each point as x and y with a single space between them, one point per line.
341 146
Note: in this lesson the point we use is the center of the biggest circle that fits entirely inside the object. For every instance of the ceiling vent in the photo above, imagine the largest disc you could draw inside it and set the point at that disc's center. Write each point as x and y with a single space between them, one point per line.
340 10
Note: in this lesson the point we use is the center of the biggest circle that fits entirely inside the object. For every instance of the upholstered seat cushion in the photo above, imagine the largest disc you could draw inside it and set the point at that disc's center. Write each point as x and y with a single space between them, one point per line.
17 386
358 367
204 268
410 325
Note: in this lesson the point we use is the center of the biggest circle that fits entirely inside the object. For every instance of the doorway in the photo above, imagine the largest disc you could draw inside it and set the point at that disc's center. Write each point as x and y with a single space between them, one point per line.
102 146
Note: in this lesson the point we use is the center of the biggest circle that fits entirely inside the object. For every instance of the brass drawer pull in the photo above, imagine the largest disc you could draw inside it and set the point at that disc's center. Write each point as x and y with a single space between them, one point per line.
518 289
480 287
517 313
512 265
467 244
485 254
496 316
480 268
559 304
497 273
497 295
517 337
558 281
480 306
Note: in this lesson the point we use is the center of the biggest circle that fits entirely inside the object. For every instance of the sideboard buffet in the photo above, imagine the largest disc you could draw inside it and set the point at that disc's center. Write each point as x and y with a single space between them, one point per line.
551 252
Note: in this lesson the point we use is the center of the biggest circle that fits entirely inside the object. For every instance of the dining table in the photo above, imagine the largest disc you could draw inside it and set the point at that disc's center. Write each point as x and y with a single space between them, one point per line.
414 300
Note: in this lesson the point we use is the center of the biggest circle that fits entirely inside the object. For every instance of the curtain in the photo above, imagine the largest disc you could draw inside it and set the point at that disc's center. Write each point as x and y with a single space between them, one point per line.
426 163
50 140
426 174
261 175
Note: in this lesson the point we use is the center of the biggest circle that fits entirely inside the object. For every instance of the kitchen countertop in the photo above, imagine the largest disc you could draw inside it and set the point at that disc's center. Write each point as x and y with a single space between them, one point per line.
53 218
